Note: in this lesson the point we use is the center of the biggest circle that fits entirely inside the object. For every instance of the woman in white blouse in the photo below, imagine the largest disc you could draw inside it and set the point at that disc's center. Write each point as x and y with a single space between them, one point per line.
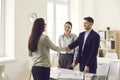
68 59
39 46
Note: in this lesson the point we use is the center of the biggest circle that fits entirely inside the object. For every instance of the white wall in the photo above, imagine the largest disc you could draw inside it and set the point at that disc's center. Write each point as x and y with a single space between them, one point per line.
107 14
75 15
78 10
18 69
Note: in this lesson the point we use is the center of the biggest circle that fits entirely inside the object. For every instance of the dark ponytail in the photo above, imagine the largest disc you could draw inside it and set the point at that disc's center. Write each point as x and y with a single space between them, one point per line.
37 30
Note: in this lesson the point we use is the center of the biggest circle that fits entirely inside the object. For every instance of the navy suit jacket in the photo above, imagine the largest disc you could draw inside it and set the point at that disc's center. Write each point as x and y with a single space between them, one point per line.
88 56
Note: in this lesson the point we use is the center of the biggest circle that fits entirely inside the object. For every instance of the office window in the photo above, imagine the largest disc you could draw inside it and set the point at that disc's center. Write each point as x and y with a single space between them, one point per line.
1 29
6 30
57 15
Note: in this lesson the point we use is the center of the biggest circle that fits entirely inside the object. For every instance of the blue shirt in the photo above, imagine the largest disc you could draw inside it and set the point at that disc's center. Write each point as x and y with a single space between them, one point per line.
85 38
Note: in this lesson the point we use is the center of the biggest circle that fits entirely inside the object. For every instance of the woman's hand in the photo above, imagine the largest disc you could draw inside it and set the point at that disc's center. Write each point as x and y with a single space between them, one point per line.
73 65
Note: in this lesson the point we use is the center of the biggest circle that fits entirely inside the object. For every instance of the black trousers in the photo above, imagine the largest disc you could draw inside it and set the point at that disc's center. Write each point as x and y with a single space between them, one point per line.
91 70
40 73
66 60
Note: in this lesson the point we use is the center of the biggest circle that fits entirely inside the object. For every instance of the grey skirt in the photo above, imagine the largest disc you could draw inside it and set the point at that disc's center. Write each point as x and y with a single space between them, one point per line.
65 60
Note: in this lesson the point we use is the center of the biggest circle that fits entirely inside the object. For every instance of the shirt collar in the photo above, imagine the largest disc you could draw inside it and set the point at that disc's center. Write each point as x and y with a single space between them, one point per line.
66 36
88 31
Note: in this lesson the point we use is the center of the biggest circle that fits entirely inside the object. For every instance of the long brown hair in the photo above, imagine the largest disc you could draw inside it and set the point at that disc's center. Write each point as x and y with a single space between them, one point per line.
37 30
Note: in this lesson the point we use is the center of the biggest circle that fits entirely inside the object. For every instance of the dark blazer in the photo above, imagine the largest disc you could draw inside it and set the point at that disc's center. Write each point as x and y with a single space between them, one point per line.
88 56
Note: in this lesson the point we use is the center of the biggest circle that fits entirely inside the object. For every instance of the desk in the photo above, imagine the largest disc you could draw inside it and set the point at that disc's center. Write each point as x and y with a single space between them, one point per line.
65 74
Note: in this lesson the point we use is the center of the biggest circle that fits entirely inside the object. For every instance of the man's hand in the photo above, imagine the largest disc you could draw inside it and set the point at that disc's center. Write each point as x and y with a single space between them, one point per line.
86 69
73 64
67 49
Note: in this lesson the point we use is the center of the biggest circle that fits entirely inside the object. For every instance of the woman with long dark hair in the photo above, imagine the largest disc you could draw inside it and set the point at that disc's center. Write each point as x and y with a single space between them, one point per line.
39 46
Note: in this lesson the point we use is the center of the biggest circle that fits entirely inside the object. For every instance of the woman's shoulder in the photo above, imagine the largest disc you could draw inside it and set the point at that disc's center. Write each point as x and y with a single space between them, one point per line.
74 35
61 35
44 39
44 36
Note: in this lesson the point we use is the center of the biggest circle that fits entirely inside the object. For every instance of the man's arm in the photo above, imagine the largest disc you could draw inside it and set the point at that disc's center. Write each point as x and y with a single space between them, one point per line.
74 44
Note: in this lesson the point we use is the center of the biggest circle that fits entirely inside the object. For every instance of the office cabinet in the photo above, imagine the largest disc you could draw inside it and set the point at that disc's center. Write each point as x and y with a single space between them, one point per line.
110 41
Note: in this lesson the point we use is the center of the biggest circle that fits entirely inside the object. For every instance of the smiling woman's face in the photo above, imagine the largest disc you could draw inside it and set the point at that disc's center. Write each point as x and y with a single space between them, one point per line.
67 28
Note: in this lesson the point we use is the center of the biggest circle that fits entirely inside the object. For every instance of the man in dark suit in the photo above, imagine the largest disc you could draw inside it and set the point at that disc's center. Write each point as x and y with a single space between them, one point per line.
88 43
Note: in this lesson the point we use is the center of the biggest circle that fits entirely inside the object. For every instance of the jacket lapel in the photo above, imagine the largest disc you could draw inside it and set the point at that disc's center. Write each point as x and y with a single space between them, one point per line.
82 38
88 38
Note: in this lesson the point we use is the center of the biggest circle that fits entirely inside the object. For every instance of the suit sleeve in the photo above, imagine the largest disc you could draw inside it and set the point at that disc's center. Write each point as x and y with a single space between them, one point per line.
94 51
75 43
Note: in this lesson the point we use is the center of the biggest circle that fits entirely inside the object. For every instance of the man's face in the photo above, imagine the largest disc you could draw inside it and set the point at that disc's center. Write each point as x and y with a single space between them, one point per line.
87 25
